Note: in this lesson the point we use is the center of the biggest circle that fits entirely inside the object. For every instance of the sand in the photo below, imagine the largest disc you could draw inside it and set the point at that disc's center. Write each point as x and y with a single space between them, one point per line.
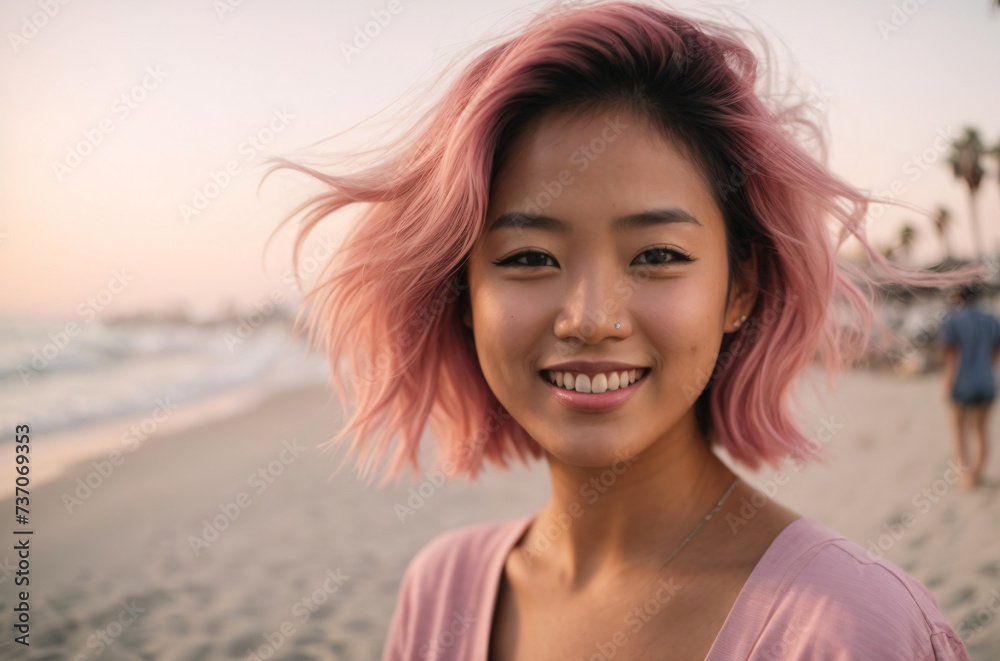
311 566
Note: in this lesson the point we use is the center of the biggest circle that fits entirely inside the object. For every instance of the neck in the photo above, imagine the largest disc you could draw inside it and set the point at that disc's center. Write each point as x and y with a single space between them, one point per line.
609 520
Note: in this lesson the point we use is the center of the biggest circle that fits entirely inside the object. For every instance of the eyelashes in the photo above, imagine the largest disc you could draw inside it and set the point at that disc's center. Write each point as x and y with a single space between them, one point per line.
675 255
513 260
662 256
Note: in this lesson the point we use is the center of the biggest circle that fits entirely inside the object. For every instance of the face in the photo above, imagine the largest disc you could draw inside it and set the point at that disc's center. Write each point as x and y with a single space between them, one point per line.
600 220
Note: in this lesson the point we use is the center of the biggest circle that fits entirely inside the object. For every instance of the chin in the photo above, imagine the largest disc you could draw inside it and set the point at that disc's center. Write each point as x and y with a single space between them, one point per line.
597 450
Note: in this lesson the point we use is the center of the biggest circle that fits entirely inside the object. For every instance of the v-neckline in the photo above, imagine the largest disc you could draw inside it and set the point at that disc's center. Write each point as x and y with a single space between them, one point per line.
725 638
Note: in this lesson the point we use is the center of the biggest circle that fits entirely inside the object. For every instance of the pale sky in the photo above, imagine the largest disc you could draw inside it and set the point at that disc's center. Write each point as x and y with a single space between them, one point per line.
169 93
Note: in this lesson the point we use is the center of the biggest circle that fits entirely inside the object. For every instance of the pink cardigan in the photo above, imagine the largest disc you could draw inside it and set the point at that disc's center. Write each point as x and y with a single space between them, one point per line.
813 595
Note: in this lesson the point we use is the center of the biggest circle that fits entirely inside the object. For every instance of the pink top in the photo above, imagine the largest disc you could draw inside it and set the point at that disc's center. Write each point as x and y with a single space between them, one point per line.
813 595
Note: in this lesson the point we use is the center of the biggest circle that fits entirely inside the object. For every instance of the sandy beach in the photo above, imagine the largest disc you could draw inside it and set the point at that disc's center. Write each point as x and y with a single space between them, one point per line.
224 540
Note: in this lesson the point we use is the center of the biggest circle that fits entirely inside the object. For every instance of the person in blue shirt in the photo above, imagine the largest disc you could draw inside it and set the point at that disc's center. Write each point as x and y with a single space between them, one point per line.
971 339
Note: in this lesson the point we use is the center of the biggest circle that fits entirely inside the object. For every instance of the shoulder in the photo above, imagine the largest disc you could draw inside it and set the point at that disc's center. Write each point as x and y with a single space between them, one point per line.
464 550
985 319
834 597
446 586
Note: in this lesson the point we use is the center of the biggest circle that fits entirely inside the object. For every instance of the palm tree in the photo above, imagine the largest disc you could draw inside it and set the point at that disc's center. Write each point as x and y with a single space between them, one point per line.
942 223
907 237
964 159
902 246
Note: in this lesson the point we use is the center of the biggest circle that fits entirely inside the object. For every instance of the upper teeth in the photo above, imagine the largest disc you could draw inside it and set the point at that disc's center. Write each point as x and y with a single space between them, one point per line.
593 383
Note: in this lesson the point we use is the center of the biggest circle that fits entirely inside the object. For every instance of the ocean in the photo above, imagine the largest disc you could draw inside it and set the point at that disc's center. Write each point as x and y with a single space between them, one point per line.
61 374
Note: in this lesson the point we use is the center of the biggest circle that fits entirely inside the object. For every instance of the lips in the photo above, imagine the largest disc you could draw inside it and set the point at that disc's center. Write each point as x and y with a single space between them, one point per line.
592 402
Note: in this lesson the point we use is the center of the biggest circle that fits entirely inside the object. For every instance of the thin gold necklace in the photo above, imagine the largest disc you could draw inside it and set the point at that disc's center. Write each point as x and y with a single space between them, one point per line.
705 519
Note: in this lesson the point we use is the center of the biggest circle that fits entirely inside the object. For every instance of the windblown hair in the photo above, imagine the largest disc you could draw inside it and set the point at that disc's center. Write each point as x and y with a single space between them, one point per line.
389 304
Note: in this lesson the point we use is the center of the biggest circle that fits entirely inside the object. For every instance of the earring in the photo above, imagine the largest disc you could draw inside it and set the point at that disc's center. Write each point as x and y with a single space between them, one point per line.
739 322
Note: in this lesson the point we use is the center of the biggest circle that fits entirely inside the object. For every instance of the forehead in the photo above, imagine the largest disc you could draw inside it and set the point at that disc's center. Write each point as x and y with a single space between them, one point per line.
606 164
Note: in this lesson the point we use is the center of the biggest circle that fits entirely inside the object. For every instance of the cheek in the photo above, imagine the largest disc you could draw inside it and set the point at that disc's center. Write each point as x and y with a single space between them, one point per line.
683 319
507 323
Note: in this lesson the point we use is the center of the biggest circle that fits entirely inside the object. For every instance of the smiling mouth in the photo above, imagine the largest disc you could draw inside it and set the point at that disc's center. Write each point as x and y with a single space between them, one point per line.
594 383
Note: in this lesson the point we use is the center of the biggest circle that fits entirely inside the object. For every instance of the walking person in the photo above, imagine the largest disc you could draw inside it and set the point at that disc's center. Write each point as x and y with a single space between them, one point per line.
970 336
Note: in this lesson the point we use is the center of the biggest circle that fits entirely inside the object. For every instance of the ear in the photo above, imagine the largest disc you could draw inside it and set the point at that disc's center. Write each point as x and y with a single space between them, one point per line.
745 291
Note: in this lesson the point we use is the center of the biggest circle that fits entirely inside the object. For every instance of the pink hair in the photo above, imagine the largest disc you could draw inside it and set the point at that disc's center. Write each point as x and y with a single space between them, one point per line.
390 303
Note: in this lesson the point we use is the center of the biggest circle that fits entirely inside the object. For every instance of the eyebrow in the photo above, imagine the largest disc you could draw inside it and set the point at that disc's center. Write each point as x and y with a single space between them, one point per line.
639 220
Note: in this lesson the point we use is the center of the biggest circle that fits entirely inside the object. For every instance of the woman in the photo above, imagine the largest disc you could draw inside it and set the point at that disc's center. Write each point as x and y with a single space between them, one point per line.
605 249
971 340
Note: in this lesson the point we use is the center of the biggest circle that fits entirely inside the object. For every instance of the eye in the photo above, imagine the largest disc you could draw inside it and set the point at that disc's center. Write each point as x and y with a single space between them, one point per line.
529 257
662 256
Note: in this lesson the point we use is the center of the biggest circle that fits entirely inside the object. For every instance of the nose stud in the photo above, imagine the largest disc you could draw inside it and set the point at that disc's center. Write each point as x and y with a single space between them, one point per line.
617 325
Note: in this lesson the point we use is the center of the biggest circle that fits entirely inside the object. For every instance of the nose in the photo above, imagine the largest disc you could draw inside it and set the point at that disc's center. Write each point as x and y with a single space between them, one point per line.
594 307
